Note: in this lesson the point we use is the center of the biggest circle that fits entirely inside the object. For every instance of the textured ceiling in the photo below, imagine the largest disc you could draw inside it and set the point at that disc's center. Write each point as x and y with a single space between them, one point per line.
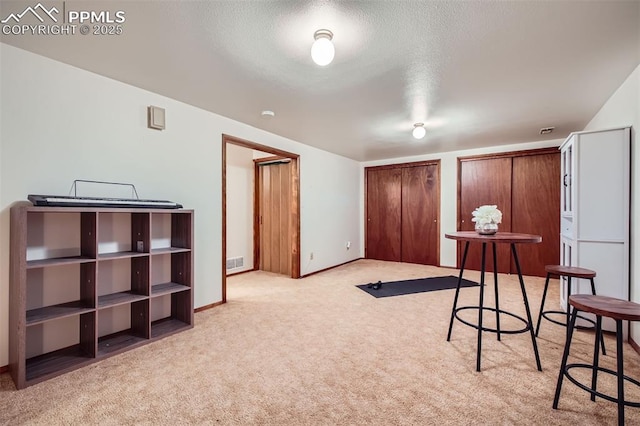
477 73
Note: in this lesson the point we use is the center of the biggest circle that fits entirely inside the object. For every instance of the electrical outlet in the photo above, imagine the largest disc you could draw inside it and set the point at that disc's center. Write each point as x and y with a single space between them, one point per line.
348 245
311 256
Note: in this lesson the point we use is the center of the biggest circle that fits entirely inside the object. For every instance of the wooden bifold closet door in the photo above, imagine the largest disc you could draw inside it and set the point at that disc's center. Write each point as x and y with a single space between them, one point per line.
420 206
275 218
524 186
403 202
384 206
485 181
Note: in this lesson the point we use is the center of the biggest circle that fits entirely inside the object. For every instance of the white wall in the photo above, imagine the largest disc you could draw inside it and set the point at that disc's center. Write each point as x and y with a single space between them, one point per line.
623 109
240 188
325 196
449 188
60 123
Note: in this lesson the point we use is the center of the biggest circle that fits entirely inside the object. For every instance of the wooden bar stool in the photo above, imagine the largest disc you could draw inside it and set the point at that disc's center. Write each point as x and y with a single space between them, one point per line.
601 306
569 272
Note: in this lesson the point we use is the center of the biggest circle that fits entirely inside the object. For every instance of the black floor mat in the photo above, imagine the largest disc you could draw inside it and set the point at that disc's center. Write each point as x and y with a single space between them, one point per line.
418 285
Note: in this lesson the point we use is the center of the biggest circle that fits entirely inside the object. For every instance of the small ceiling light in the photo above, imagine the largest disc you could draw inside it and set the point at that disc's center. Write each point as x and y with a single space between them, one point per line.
419 131
322 50
546 130
268 114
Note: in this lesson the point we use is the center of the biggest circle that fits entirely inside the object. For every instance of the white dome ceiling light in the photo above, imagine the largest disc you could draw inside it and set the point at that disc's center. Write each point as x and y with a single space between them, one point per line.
322 50
419 131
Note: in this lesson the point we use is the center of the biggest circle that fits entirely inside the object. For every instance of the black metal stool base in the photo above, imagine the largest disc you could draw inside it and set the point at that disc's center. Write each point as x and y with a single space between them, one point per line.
608 307
595 392
565 323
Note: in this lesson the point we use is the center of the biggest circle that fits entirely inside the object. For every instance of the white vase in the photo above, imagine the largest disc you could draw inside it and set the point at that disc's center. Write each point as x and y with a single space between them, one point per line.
487 228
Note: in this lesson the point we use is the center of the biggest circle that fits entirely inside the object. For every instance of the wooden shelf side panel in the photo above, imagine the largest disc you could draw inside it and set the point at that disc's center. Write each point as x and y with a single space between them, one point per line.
88 280
181 230
140 275
140 232
181 307
88 334
88 234
181 268
140 324
17 295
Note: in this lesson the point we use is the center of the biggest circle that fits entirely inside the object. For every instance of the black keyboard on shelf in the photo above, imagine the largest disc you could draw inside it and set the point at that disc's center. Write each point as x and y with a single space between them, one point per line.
71 201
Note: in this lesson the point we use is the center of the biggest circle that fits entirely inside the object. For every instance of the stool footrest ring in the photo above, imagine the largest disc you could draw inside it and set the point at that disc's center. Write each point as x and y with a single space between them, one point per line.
595 392
492 330
564 324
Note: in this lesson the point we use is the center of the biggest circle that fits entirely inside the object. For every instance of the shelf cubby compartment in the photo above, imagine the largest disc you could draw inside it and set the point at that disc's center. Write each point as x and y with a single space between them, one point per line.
171 293
122 281
123 234
44 357
63 291
170 313
171 232
60 237
123 327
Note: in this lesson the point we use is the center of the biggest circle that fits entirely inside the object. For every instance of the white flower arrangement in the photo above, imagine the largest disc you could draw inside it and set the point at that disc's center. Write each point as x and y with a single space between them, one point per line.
486 214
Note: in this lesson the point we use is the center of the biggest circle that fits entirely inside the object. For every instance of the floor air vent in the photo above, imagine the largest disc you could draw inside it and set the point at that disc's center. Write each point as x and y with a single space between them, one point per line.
235 262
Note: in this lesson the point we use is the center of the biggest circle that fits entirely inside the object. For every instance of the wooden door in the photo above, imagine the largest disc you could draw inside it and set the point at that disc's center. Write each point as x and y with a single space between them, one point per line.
274 217
485 181
536 210
384 195
420 207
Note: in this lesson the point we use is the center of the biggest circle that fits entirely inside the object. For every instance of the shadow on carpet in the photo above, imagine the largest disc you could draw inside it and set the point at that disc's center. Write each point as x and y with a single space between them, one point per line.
418 285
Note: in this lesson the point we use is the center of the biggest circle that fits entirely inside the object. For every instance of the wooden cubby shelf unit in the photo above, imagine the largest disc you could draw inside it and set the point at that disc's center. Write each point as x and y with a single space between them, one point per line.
88 283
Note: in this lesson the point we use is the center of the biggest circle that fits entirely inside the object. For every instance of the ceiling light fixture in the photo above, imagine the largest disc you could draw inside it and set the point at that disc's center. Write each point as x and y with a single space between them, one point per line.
268 113
546 130
322 50
419 131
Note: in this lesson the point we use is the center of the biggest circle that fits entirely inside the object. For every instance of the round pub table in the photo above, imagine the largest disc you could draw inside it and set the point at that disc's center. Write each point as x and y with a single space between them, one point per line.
497 238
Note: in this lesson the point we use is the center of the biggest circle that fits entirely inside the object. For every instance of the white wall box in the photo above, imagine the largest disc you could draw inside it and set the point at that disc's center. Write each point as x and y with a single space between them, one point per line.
595 211
88 283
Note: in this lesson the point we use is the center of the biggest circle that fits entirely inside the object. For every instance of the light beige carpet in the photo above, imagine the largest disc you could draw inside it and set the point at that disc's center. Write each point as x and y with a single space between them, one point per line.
319 351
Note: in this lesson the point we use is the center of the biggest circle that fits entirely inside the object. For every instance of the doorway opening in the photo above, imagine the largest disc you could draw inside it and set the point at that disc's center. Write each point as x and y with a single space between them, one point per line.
290 208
